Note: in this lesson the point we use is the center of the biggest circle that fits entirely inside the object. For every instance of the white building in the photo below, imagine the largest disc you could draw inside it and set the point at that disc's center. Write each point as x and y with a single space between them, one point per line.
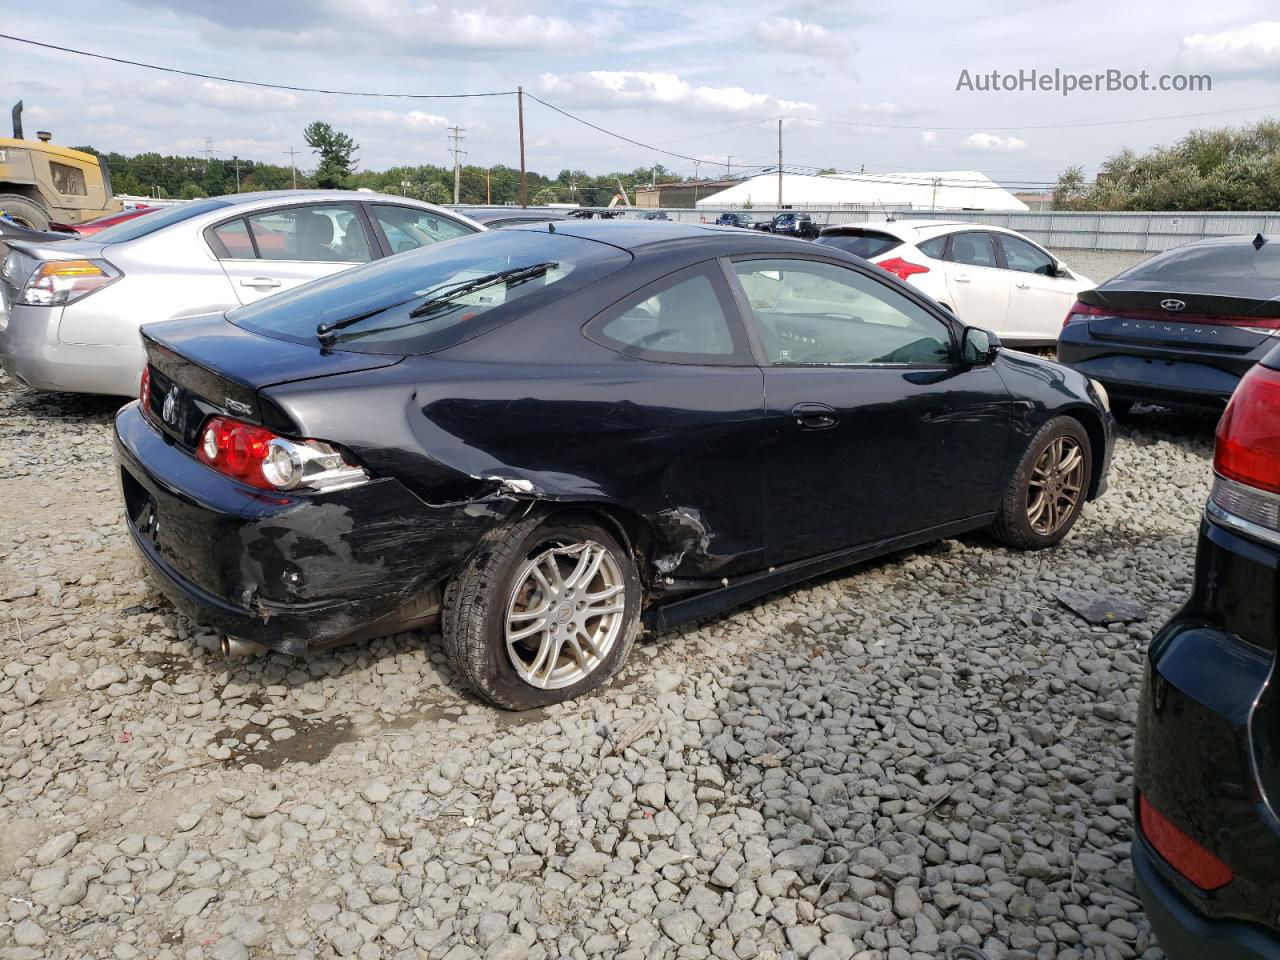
942 190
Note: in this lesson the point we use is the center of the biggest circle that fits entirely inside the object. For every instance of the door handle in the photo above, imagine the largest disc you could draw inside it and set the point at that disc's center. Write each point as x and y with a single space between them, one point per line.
961 278
1022 286
814 416
262 283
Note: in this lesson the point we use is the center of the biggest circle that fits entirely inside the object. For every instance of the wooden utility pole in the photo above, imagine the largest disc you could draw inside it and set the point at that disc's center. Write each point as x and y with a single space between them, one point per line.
524 183
455 134
236 161
293 166
779 163
488 194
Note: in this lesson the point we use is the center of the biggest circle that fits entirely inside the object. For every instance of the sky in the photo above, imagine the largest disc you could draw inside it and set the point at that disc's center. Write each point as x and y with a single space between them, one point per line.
860 84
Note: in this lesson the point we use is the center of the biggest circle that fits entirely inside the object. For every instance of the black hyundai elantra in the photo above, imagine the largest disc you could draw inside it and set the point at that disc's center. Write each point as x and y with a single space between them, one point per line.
548 435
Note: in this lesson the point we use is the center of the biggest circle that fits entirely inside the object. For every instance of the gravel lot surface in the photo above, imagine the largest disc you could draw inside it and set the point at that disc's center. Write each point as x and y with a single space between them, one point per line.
1099 265
924 752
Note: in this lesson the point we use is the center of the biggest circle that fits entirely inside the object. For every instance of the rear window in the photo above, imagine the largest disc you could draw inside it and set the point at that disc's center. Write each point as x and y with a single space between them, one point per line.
861 243
385 292
1227 269
141 226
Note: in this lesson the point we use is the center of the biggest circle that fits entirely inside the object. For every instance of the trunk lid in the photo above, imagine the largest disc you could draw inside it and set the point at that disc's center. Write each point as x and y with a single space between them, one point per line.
1145 312
205 366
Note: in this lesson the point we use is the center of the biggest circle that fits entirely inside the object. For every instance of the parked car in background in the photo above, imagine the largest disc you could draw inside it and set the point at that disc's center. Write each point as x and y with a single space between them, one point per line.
1207 762
793 225
988 276
323 465
90 227
735 218
654 215
71 309
1182 328
495 218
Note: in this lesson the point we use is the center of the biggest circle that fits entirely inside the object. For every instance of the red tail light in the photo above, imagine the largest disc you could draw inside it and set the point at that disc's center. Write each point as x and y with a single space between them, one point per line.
1248 448
255 456
1182 853
1082 311
903 269
144 391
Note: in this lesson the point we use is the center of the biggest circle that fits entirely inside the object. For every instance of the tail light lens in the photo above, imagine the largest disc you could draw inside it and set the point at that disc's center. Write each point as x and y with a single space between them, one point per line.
255 456
57 282
1182 853
1248 447
144 391
903 269
1083 311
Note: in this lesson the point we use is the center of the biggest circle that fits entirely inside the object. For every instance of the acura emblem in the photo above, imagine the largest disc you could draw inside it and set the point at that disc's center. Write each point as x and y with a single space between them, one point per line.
1173 305
170 409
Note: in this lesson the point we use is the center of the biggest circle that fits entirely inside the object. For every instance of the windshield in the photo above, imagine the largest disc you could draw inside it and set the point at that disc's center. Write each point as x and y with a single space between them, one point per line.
153 221
386 292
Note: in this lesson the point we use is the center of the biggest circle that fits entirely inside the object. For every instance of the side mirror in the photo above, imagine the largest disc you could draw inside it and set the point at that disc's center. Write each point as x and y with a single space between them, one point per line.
979 347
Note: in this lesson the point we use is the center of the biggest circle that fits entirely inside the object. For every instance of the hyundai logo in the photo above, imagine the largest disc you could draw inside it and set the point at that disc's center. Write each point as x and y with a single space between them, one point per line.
1173 305
170 409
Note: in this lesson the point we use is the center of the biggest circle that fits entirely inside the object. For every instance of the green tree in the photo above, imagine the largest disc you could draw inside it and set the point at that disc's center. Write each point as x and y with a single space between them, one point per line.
337 152
1070 188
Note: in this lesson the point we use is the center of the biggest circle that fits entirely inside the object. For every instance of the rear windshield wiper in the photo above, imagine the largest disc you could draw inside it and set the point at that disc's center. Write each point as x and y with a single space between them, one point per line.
442 296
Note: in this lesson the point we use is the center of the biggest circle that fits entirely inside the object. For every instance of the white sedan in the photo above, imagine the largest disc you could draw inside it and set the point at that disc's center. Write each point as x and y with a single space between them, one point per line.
988 276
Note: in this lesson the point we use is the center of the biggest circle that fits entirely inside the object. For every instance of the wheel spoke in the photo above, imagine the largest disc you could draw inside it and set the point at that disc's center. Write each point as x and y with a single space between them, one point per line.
578 654
588 566
1071 460
604 594
541 611
515 636
588 640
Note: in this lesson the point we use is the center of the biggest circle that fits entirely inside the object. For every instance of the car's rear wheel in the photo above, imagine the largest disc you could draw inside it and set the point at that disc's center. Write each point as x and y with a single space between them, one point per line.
23 212
546 610
1048 489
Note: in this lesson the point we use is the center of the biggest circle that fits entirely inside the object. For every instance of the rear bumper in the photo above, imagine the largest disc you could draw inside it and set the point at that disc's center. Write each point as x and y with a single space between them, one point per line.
1186 934
31 352
291 572
1182 377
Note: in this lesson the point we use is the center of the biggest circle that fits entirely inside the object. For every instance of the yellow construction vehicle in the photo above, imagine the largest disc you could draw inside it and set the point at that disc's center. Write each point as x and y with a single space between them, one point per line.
42 184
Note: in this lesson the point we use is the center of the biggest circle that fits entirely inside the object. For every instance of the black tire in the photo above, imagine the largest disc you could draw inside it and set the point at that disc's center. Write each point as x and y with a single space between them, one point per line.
1012 525
23 211
475 610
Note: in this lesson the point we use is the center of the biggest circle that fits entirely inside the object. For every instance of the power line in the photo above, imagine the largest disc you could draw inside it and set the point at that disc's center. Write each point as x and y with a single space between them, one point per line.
252 83
588 123
1041 126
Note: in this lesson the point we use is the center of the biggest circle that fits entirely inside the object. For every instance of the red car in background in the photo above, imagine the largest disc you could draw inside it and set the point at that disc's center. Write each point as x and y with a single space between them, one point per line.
90 227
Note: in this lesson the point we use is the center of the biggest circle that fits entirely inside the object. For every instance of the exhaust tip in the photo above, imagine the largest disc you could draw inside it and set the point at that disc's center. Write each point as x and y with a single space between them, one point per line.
235 647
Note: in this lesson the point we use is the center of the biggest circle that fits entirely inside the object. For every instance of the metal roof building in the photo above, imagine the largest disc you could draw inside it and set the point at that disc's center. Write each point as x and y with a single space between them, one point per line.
942 190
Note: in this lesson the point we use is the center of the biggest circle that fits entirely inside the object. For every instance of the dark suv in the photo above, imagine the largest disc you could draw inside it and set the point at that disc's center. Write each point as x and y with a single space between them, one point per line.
795 225
1206 852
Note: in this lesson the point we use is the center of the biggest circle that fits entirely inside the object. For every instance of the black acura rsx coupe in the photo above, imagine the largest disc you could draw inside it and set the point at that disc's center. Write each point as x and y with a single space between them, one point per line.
548 434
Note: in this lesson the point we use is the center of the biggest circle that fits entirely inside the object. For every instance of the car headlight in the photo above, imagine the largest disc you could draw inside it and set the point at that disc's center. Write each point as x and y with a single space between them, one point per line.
1101 391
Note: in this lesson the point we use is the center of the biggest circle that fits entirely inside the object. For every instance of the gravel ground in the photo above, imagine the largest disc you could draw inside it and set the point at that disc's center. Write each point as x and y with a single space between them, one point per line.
925 752
1099 265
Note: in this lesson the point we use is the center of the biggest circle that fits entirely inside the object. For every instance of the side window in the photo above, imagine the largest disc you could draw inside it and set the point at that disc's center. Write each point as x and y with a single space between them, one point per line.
934 248
812 313
408 228
972 248
1025 258
325 232
67 180
688 317
234 237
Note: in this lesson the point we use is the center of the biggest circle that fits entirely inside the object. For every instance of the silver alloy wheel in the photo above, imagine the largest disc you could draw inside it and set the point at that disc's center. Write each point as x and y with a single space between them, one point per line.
565 614
1056 485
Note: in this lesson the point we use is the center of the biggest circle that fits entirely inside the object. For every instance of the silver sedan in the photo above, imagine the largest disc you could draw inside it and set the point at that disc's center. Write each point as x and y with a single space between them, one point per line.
70 309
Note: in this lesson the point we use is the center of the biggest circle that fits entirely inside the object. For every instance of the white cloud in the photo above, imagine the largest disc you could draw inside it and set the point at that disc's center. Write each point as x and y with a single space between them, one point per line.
414 120
992 143
626 88
181 92
798 36
1252 48
928 138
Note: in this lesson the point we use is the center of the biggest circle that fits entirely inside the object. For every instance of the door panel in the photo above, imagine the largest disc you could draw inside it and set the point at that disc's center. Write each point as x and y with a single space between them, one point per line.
871 430
274 250
979 288
1038 299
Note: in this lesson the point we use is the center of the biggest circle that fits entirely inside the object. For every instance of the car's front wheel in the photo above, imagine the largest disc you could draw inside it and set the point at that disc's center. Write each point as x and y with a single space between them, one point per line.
544 611
1048 489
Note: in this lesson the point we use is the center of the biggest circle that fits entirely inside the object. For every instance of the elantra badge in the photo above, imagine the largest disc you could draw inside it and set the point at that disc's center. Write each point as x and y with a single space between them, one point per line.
170 409
1173 305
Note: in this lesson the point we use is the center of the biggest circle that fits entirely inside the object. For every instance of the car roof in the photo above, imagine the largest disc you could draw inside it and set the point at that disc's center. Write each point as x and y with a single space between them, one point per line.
634 235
